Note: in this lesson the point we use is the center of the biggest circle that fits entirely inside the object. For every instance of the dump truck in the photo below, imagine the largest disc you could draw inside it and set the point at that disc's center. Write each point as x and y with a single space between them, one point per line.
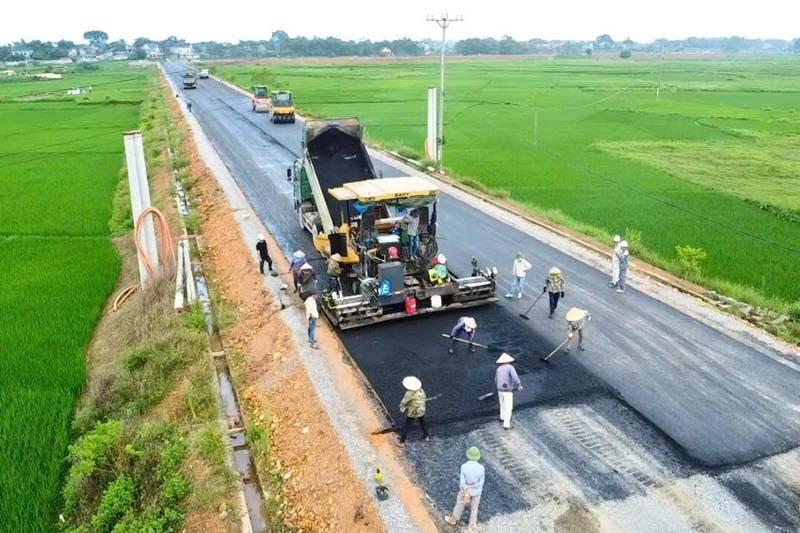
203 73
281 107
260 99
365 220
189 80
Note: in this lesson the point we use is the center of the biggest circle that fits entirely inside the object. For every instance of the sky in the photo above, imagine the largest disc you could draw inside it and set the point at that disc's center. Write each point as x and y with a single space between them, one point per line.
234 20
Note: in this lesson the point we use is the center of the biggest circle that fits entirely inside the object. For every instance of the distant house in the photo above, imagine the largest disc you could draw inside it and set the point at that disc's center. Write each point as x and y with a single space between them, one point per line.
153 51
8 72
385 51
25 53
48 76
184 52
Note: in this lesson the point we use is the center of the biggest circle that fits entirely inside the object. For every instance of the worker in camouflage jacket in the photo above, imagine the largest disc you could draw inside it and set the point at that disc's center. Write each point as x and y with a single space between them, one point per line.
413 406
554 285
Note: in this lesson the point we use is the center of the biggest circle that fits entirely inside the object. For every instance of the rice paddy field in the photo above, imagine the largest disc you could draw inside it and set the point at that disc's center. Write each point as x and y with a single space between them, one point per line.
60 159
674 152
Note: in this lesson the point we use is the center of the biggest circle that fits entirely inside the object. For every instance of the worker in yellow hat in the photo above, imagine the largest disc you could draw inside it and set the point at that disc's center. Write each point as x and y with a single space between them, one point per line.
577 319
554 285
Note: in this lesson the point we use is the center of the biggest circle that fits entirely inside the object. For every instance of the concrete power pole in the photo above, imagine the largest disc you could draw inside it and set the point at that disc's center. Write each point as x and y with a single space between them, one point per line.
443 21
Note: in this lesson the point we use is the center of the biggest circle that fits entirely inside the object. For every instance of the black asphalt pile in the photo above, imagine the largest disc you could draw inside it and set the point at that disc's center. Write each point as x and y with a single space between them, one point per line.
386 353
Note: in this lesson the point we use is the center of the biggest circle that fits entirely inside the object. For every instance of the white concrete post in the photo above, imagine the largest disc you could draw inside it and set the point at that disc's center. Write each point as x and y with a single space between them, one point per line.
140 198
430 142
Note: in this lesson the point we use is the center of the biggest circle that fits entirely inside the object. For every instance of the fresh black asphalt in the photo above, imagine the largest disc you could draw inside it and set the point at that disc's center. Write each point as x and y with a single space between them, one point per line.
721 402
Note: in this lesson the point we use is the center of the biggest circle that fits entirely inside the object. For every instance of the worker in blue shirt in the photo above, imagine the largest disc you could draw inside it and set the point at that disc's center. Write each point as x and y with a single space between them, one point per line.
465 324
470 489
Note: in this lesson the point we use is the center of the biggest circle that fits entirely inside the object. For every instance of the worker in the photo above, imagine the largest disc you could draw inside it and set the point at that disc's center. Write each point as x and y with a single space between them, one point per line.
519 270
470 488
189 106
413 406
263 253
467 325
335 271
624 256
298 260
412 229
312 315
306 281
507 381
576 318
615 262
554 284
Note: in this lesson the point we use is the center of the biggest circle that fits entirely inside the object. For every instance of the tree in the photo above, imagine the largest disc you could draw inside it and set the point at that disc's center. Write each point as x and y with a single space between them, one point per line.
96 37
589 52
140 41
65 45
139 53
625 54
279 38
118 46
508 46
797 46
604 41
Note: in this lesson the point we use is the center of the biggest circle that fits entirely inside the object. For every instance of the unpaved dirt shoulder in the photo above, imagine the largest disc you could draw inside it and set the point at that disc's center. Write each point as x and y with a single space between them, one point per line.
325 486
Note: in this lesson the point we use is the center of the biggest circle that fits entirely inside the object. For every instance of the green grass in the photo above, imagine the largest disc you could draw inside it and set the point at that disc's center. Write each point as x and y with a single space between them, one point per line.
711 163
59 163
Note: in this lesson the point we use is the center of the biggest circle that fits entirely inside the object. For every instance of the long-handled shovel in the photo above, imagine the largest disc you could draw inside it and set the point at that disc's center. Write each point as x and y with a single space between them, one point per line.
546 359
525 314
462 340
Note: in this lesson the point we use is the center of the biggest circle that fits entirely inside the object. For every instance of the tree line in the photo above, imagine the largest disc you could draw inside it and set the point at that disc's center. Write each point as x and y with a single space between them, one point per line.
280 44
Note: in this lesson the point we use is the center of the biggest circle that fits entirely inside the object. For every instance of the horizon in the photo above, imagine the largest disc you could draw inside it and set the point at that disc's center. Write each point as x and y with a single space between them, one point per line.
353 20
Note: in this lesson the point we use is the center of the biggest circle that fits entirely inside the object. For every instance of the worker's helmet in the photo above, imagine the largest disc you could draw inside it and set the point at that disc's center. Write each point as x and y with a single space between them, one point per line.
393 252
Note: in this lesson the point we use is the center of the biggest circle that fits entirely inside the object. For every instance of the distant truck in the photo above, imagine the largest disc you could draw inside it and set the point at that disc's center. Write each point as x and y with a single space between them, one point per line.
190 80
203 73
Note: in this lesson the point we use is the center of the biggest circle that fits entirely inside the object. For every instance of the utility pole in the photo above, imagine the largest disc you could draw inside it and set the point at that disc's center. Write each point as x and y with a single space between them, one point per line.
443 21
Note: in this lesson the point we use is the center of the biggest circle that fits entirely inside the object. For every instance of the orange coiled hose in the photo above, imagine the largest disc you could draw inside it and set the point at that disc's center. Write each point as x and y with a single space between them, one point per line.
167 249
167 246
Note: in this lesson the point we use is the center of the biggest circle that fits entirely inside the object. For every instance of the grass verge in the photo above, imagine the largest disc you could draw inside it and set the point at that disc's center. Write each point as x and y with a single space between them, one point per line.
147 452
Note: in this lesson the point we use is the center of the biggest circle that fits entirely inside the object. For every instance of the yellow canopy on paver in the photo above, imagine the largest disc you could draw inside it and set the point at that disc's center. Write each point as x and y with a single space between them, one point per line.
386 190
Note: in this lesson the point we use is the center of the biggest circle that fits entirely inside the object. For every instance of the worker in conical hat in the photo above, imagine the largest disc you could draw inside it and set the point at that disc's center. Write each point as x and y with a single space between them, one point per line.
334 271
615 255
507 381
413 406
306 281
298 260
554 285
624 257
466 325
576 318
